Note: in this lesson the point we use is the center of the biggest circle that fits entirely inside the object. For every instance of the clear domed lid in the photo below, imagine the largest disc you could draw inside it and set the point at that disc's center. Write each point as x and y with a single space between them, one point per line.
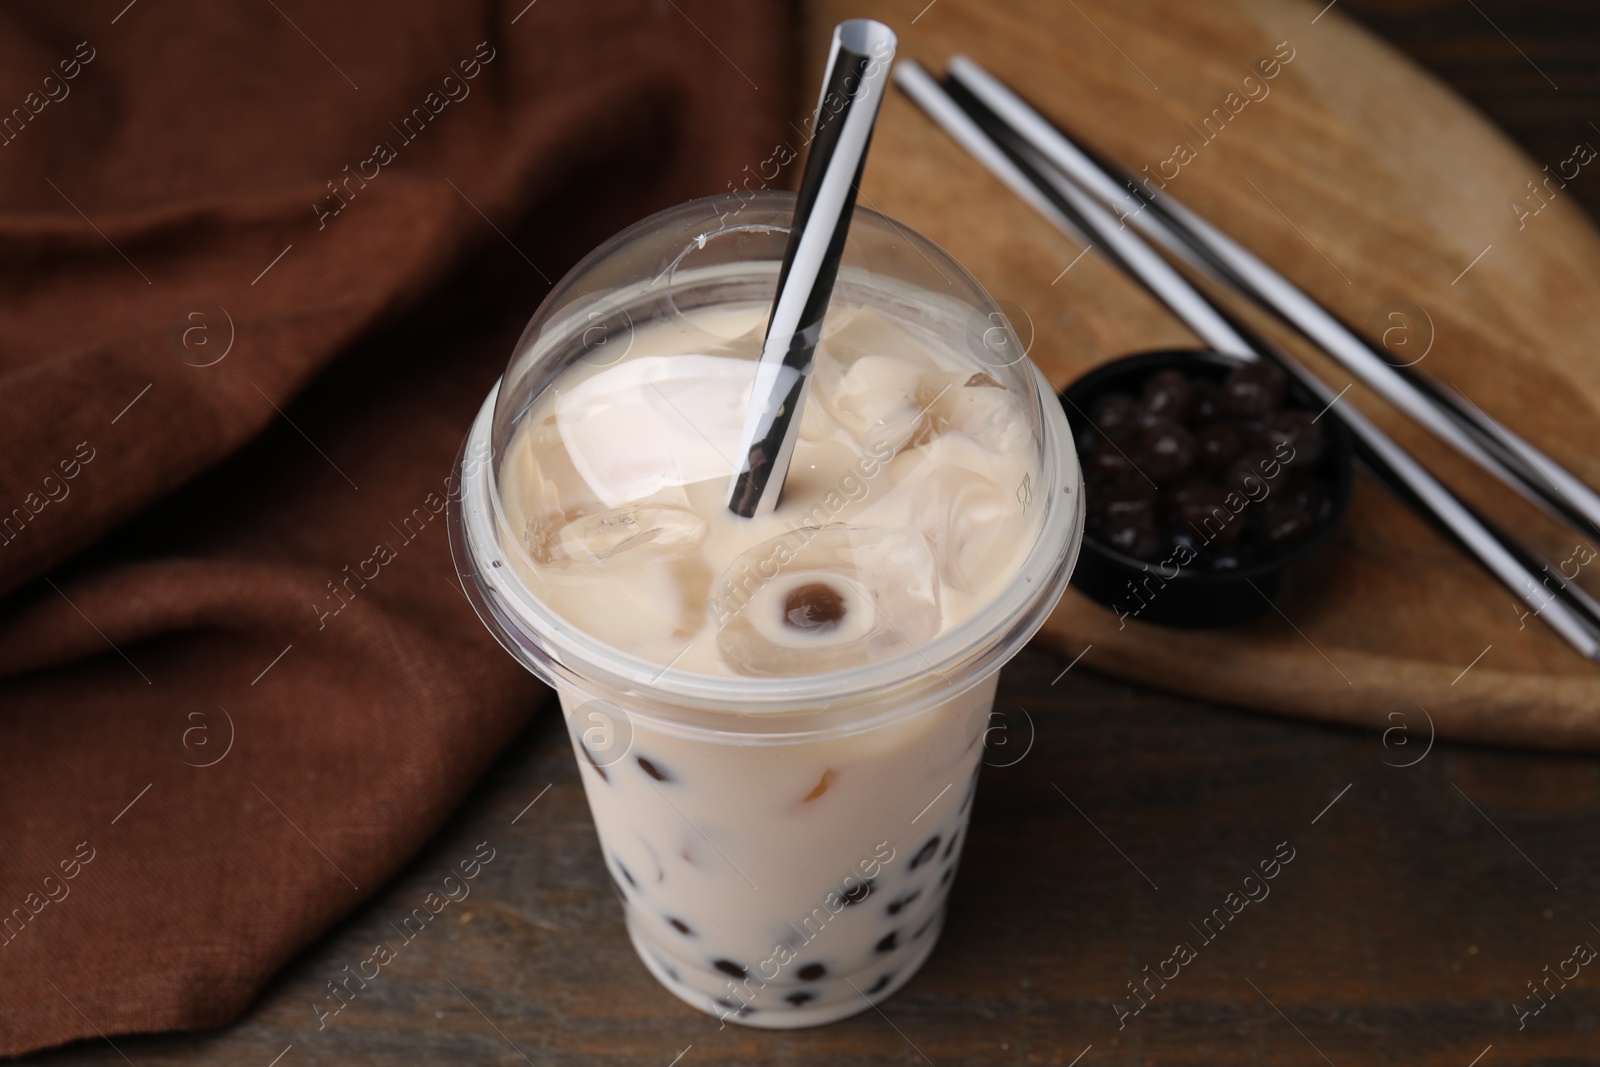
932 499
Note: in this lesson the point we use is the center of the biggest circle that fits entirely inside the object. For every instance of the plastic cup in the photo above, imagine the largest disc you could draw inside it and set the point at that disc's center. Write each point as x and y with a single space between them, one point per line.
783 846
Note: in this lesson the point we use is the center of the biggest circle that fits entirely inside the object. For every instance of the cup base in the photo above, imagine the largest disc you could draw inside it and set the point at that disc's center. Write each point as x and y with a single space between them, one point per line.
785 1016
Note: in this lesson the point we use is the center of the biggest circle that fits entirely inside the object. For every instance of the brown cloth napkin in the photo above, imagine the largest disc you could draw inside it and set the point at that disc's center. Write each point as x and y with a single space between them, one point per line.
259 265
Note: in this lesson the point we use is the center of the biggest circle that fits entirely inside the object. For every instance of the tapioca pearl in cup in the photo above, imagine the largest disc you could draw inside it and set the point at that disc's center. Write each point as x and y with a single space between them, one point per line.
731 969
814 608
894 907
881 984
859 892
811 609
928 850
680 926
888 943
800 998
654 769
589 756
823 785
811 972
955 839
627 874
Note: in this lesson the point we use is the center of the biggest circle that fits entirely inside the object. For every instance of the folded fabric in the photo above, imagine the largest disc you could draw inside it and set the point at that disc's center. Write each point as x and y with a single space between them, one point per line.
261 264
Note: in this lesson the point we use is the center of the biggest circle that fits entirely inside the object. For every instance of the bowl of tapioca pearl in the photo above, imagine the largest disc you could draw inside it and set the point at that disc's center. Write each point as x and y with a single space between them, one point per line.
1210 484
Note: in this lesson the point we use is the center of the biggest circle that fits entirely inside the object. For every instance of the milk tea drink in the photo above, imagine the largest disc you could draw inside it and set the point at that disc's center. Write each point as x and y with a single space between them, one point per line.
778 721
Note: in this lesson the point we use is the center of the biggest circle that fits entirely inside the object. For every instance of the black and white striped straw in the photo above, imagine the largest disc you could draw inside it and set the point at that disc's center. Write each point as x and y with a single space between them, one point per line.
852 90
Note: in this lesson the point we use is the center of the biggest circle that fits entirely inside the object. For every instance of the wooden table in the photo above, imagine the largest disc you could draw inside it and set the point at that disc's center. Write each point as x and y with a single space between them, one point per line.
1418 903
1428 885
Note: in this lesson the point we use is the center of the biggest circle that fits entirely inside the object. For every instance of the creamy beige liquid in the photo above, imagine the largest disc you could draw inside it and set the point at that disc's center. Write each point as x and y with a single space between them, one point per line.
777 884
617 482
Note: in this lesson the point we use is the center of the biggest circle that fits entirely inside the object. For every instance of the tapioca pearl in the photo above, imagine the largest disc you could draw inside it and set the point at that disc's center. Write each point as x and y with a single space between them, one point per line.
680 926
811 972
737 1007
815 607
625 872
859 893
601 771
731 969
881 984
889 942
823 783
955 839
895 906
926 852
924 927
654 770
802 997
655 858
944 879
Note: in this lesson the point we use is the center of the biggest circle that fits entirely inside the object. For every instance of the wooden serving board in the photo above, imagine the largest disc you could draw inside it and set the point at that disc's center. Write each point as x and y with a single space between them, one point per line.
1376 190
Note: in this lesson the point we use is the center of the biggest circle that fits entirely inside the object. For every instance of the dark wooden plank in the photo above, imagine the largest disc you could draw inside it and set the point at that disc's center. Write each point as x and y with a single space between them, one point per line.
1531 67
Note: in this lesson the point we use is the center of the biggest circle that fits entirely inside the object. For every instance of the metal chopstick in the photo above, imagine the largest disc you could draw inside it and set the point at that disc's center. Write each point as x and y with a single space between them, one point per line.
1455 420
1076 212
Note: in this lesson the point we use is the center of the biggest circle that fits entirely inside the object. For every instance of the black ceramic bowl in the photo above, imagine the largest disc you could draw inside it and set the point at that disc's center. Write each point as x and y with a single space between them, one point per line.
1203 586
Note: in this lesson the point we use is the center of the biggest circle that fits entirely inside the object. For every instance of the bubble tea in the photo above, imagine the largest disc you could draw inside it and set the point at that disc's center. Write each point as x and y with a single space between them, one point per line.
779 721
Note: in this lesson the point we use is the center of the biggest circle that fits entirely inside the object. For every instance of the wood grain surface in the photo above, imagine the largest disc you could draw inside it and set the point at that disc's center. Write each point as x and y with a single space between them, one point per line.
1367 182
1431 880
1529 67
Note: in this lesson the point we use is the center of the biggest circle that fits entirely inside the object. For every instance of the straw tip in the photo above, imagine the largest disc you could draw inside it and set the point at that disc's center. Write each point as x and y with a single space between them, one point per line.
866 37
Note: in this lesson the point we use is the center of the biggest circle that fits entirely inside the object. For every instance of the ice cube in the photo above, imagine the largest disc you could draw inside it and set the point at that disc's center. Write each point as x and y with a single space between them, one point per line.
647 604
691 577
641 565
541 490
816 424
655 422
640 531
873 398
636 574
972 403
866 377
965 517
823 598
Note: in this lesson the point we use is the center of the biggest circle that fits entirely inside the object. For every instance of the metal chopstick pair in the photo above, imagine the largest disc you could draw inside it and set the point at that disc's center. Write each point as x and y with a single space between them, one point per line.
1018 157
